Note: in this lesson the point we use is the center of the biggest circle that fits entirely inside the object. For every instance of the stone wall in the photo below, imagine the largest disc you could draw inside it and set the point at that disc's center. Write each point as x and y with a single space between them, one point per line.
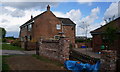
75 55
54 49
108 60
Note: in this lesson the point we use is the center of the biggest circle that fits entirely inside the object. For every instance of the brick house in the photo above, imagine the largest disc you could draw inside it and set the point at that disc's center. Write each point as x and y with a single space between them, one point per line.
98 39
47 26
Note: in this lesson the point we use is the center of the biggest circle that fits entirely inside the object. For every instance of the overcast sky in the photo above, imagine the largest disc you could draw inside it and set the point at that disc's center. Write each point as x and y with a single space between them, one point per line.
13 14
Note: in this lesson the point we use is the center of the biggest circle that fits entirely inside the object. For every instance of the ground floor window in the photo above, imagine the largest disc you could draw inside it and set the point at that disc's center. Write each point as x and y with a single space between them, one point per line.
57 37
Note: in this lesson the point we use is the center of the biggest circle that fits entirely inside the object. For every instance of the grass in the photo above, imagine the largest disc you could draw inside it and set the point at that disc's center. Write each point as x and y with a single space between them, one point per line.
10 47
5 66
48 60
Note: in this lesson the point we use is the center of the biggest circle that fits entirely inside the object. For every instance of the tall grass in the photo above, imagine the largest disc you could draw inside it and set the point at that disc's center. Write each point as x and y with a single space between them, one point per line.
10 47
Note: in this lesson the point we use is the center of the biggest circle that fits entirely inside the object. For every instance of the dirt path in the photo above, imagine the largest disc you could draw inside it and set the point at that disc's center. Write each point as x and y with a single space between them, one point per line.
29 63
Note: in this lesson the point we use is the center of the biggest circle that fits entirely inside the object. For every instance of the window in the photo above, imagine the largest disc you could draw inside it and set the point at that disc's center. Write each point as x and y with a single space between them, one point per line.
57 37
58 26
29 27
29 38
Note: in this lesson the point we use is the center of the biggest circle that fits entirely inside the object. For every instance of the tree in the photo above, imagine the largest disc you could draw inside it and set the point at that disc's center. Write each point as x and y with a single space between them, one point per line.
109 36
2 32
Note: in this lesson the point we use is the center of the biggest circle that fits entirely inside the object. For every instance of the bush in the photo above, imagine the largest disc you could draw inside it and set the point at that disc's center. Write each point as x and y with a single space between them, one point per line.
16 43
71 46
3 40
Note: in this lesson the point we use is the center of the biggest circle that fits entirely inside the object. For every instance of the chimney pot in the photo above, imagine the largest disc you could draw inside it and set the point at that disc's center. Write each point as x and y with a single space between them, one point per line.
31 17
48 8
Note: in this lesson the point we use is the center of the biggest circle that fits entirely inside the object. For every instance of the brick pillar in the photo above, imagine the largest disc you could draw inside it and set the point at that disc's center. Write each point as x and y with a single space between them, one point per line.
108 61
64 49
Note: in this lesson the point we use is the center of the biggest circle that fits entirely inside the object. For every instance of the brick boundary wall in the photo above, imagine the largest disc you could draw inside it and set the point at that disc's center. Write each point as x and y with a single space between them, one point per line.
28 45
55 49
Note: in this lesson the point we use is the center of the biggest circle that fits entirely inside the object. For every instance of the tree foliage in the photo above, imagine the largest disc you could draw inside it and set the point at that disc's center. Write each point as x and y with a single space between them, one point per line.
109 35
2 32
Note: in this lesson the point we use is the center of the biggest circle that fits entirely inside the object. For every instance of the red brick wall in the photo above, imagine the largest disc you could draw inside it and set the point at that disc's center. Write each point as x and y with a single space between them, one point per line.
97 42
28 45
69 32
45 26
23 32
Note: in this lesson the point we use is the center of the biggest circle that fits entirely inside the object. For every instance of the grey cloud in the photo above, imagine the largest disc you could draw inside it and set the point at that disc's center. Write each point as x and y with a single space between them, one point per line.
29 5
113 10
3 10
21 6
4 20
18 13
119 9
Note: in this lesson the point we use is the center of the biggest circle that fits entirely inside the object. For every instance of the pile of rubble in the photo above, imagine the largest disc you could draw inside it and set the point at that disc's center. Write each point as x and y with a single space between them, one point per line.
108 60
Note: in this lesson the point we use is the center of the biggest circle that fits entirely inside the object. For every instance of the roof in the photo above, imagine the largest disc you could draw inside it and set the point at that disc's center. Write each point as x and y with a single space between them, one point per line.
65 21
33 18
115 24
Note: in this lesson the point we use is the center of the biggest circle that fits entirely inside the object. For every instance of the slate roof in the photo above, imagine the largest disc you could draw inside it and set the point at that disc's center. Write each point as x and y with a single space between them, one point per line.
65 21
115 24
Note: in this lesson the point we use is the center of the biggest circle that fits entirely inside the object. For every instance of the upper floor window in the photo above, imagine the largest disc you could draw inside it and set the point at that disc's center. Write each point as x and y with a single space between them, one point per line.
29 38
29 27
58 26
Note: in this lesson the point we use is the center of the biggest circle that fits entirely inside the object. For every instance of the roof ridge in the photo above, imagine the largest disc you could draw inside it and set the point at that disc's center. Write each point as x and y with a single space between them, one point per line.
34 18
94 31
62 17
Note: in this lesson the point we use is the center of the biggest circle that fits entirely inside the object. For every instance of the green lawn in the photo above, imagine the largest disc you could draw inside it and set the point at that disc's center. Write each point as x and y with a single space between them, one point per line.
5 67
10 47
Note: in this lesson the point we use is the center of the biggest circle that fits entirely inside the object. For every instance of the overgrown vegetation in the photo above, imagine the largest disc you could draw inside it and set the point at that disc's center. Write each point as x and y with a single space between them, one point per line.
109 36
10 47
2 32
79 40
83 40
16 43
8 38
48 60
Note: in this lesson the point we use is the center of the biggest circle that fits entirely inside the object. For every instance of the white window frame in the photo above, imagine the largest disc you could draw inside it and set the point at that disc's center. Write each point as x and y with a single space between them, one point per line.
58 26
29 27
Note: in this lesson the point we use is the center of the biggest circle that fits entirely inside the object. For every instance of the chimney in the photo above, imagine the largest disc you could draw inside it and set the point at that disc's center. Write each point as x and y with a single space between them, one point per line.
48 8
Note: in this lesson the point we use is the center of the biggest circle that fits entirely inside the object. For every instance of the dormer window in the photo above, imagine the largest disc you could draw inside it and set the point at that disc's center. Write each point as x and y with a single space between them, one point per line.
58 26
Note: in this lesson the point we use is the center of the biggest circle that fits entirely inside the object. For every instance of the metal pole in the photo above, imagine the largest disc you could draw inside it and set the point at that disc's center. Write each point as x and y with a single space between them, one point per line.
86 30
